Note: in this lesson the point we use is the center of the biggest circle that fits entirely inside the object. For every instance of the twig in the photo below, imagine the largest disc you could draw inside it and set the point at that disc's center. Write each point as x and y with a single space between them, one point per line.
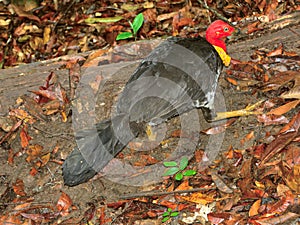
50 135
293 31
64 13
214 11
127 205
156 193
12 129
21 202
206 6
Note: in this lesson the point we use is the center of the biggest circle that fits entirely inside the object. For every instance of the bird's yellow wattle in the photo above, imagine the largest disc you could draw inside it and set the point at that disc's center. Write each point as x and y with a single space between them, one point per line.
223 55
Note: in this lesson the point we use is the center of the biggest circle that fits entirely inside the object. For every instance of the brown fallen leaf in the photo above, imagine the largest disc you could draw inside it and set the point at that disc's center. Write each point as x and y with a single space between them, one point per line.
43 160
290 168
118 204
64 203
46 35
145 160
33 171
292 179
221 185
280 219
295 91
232 81
21 13
36 43
183 17
276 52
280 79
219 218
254 210
22 206
276 146
46 94
61 94
20 114
51 107
248 137
253 27
282 205
10 219
220 128
33 108
183 186
284 108
18 187
272 119
92 58
33 152
173 205
293 125
166 16
290 54
199 198
25 138
150 17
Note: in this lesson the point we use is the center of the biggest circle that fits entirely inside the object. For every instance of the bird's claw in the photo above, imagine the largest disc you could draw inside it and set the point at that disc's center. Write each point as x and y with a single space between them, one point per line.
242 112
254 106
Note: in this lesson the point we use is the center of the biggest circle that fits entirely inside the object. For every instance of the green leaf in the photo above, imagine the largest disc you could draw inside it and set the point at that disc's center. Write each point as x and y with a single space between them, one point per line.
178 176
171 171
104 20
189 173
165 219
169 210
183 163
137 22
166 214
173 214
169 164
124 35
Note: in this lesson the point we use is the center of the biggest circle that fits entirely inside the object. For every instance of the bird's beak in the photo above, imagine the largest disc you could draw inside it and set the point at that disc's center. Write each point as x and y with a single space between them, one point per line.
228 37
234 33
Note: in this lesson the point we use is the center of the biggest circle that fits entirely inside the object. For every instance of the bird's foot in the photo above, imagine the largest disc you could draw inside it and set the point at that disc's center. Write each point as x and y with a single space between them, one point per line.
249 110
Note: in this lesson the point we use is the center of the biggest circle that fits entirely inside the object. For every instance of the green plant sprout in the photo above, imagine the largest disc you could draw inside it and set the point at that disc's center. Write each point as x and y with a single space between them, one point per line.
178 170
135 26
167 215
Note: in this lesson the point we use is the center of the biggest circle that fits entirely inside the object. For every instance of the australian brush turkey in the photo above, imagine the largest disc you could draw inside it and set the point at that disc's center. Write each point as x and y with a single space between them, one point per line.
177 76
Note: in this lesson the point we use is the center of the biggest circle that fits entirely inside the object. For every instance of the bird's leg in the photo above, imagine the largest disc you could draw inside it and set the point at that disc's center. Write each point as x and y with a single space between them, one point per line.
242 112
151 133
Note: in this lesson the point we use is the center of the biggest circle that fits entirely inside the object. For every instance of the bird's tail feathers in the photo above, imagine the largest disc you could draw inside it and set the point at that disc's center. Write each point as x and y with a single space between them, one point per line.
95 148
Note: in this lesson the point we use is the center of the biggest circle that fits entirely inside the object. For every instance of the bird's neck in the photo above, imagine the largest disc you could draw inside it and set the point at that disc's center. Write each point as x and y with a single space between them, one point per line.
223 55
216 42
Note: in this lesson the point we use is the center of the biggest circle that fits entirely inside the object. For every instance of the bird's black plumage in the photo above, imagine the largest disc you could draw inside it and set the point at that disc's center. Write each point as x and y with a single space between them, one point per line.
177 76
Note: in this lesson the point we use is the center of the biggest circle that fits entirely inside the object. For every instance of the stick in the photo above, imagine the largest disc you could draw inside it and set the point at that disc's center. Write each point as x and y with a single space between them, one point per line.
214 11
159 193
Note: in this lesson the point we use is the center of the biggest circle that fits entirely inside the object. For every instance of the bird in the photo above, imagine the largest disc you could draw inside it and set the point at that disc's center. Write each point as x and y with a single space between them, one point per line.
179 75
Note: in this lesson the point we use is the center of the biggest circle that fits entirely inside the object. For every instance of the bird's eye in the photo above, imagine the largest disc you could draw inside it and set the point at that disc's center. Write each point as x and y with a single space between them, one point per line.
226 29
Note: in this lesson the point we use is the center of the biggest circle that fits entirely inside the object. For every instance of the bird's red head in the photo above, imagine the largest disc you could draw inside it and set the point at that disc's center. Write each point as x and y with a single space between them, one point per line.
217 32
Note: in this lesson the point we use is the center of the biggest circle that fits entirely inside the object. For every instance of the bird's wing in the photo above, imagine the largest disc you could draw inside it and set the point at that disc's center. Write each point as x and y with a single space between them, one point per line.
177 76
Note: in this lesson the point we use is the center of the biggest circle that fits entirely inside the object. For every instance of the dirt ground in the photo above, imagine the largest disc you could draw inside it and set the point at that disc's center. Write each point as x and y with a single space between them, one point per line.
47 184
